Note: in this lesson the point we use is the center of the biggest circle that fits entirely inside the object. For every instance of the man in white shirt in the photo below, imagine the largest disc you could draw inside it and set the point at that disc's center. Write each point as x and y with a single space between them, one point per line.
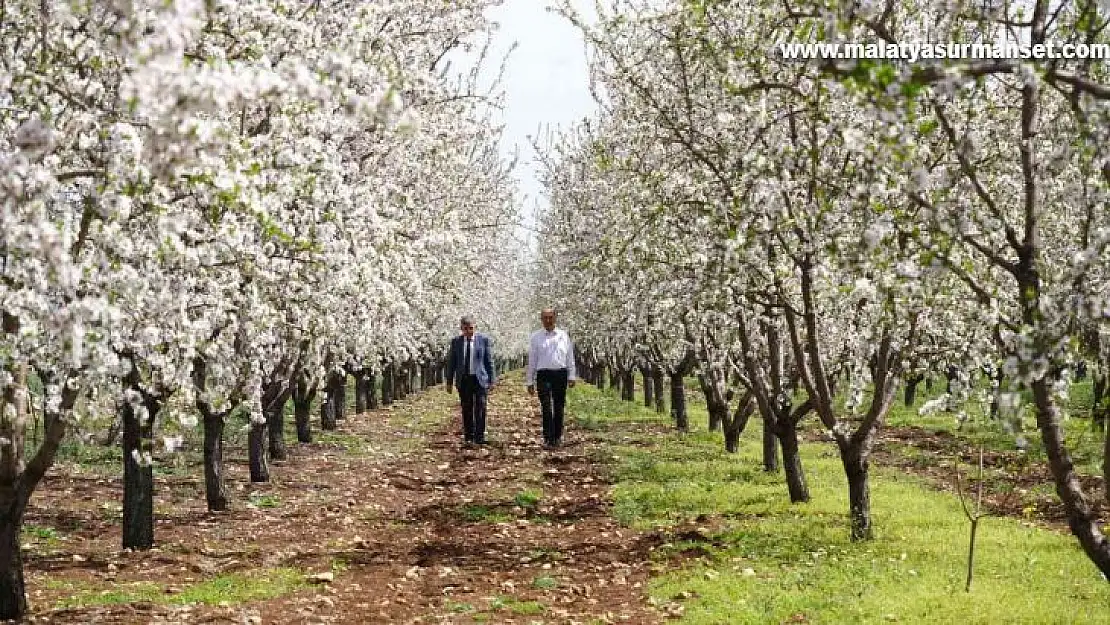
551 368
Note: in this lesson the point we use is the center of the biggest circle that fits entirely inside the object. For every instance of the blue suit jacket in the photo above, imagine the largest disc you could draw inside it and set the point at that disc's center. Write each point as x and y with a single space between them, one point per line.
483 359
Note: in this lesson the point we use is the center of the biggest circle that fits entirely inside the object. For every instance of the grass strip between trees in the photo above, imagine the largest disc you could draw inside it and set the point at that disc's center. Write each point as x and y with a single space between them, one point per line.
759 559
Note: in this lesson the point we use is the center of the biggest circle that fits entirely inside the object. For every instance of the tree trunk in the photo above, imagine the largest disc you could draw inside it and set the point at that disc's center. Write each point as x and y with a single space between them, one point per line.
334 396
340 395
649 396
911 389
599 380
678 402
657 385
360 392
628 385
770 448
215 490
275 426
787 433
302 415
859 491
138 479
1100 406
13 592
302 396
1082 520
371 391
614 378
387 385
738 422
256 452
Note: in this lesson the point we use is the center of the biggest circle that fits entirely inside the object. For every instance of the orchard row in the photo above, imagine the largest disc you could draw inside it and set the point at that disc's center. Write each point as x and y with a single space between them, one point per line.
213 205
809 238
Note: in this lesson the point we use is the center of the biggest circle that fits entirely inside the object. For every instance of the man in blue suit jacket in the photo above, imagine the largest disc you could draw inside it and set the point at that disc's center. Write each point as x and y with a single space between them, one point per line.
470 369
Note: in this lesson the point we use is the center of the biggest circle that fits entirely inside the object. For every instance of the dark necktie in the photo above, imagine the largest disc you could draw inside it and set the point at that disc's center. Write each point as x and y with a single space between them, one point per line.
466 357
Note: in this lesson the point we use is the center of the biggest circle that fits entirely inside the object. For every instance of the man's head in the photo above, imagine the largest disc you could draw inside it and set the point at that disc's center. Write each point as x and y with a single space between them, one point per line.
547 317
466 325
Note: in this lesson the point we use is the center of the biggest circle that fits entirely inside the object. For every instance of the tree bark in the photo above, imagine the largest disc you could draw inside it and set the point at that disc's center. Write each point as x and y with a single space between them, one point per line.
215 489
13 591
787 433
256 452
302 415
599 377
1100 406
770 448
275 427
628 385
360 391
371 391
657 385
387 385
614 378
340 395
1082 519
138 479
678 402
859 491
911 389
649 395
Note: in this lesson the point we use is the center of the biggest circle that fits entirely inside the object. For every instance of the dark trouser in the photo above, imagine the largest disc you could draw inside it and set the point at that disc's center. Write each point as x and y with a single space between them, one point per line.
551 385
473 398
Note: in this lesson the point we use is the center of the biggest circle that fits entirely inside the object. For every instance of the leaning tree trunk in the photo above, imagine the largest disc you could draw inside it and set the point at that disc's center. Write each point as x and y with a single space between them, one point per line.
215 489
787 433
138 476
1082 519
678 402
649 396
18 480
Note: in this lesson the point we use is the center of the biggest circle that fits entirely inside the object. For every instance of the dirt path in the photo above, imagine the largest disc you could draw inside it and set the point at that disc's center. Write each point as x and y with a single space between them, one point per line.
399 522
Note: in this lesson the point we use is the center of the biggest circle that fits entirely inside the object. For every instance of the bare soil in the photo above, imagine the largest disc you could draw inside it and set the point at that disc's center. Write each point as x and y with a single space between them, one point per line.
411 527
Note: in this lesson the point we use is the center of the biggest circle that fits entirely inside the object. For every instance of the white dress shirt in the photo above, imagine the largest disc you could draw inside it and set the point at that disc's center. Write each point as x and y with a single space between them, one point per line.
471 367
550 350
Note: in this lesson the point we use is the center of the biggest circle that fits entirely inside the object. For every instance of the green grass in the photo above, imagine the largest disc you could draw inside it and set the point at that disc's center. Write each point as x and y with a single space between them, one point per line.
233 588
476 513
772 561
265 501
516 606
528 498
1083 443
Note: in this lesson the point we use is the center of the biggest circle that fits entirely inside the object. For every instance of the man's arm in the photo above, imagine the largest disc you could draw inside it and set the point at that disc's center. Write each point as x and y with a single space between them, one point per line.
530 372
572 373
490 369
450 375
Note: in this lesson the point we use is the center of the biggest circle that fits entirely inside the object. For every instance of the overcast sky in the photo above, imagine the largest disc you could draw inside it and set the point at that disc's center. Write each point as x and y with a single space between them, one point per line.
545 80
